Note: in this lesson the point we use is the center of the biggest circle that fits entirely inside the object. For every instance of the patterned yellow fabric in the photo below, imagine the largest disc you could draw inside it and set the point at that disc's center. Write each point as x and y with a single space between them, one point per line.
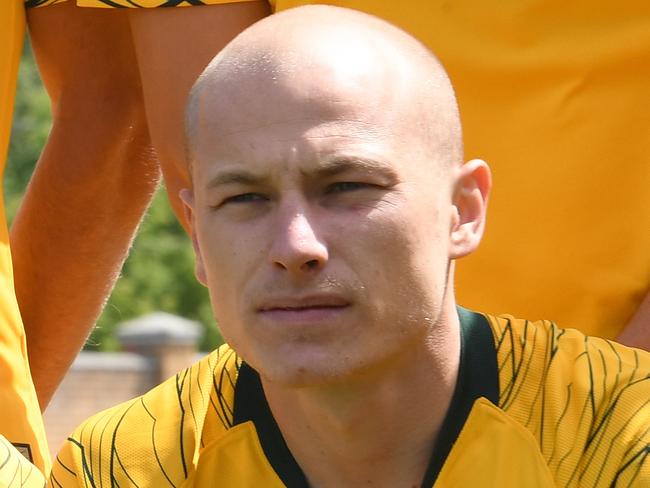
585 400
20 416
131 3
572 411
554 95
15 470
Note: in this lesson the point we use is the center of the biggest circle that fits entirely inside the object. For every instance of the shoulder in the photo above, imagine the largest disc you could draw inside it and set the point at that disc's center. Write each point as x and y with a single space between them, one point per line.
585 399
539 354
153 439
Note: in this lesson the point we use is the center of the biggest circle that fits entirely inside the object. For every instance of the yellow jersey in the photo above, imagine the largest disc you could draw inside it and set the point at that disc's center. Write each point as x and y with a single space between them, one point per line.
20 416
534 406
554 95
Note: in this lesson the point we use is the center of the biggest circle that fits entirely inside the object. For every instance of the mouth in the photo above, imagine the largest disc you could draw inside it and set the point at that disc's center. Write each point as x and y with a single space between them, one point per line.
304 310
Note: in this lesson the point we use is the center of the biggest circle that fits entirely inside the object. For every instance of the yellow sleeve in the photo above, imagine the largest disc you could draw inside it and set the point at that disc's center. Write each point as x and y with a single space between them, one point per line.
64 469
152 440
634 470
585 399
142 442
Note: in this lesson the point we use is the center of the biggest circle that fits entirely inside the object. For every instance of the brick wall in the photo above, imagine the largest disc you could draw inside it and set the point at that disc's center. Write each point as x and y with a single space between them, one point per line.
157 346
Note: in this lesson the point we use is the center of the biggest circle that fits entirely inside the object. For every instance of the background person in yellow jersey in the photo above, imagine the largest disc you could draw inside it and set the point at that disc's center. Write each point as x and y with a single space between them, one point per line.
329 205
556 98
20 417
528 95
118 79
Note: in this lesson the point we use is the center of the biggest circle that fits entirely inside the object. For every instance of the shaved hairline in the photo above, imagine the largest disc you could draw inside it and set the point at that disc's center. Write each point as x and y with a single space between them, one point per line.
245 53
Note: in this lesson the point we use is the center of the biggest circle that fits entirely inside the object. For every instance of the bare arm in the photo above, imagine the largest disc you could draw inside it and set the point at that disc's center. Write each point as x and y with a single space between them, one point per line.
170 59
637 331
90 188
98 171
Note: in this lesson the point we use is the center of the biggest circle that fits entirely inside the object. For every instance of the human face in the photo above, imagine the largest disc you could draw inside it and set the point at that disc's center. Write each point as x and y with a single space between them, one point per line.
321 223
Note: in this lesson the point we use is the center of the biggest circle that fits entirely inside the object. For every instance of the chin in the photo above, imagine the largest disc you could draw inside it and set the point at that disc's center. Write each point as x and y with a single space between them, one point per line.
303 370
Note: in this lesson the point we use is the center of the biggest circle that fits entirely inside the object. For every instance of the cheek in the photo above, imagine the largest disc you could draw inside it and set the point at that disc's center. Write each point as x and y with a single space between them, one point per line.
226 260
225 287
228 251
405 235
399 249
388 246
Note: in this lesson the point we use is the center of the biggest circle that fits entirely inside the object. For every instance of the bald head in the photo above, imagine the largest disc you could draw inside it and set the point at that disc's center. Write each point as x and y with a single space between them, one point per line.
316 60
326 162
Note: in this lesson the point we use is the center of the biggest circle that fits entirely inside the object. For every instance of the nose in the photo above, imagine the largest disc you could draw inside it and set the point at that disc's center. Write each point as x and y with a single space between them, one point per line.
296 246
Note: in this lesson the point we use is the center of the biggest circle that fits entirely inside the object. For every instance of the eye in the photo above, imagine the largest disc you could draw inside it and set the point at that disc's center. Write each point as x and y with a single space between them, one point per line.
345 186
245 198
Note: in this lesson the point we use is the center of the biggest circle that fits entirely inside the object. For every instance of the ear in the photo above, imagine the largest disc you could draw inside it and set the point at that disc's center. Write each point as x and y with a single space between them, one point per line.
187 197
470 197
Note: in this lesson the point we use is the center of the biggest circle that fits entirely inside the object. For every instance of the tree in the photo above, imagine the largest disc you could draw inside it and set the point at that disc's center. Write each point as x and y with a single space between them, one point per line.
31 125
158 274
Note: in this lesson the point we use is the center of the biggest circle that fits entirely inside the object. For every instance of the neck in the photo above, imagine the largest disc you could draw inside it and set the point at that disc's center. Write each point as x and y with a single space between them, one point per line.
377 429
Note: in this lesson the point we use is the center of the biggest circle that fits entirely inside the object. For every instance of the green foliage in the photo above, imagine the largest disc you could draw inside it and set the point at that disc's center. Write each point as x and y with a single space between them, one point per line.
158 275
31 126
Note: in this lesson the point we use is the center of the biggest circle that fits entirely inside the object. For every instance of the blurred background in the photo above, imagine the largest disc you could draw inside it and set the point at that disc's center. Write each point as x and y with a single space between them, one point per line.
157 277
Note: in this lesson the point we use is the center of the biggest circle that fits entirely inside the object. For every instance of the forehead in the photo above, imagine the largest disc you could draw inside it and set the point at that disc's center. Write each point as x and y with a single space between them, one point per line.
262 121
304 145
293 150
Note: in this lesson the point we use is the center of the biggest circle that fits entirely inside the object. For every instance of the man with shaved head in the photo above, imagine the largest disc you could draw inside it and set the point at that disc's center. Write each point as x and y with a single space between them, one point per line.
330 200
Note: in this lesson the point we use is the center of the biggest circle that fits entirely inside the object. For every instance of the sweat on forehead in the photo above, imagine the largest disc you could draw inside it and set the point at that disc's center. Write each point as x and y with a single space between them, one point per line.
319 53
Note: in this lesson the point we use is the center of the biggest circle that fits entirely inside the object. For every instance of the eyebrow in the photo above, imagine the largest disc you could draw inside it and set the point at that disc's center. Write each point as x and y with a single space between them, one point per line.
338 165
234 176
327 168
